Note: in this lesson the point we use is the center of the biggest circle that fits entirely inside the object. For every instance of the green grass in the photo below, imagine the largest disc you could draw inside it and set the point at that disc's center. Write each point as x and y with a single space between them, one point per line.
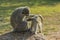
49 9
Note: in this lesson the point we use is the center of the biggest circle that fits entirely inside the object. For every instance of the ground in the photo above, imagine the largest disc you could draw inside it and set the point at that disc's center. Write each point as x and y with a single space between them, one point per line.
53 36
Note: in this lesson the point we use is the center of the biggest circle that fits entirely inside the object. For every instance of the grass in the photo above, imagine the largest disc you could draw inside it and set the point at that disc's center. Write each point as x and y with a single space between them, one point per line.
49 9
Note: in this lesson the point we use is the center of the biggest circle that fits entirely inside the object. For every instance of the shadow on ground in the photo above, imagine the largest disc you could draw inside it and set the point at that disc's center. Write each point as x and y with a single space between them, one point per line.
20 36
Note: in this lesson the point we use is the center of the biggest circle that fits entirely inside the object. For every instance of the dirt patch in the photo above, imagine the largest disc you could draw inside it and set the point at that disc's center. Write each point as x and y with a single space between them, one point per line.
53 36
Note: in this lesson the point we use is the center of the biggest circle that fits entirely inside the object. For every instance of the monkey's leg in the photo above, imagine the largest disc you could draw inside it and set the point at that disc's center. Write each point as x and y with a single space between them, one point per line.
40 27
34 26
36 29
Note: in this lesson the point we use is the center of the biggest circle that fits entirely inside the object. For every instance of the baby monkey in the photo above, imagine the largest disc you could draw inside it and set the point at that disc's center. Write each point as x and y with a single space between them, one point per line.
37 22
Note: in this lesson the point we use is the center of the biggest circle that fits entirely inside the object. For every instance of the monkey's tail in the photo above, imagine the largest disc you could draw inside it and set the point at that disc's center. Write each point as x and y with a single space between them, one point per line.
41 18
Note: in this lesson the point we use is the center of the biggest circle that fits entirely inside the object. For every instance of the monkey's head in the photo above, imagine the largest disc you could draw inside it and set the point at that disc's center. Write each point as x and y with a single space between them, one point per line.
25 11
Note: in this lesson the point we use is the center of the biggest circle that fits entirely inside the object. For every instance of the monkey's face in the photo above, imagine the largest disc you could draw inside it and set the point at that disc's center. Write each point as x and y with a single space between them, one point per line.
25 12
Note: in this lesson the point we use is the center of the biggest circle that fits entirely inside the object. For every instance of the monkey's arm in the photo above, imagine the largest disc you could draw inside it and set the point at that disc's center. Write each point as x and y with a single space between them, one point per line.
29 19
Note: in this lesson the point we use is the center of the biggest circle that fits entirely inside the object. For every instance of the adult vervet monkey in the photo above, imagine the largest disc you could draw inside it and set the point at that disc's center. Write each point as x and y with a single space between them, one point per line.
21 16
37 21
17 19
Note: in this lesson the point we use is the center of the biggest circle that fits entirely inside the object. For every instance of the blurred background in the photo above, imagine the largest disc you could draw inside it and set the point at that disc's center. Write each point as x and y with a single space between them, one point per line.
49 9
